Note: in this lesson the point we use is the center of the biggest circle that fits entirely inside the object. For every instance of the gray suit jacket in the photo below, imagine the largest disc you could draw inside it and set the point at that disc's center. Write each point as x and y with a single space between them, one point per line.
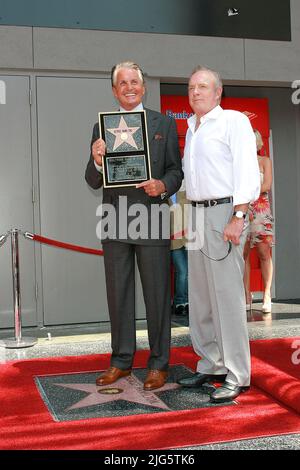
165 165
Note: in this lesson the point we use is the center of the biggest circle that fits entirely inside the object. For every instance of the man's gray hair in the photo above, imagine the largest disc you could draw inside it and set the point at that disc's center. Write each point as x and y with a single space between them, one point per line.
126 65
201 68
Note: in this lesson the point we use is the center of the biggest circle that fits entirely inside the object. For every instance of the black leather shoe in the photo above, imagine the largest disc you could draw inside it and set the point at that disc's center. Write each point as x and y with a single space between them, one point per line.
226 392
198 379
181 310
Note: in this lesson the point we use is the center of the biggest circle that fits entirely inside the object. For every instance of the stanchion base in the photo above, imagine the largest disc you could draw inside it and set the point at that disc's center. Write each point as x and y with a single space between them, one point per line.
13 343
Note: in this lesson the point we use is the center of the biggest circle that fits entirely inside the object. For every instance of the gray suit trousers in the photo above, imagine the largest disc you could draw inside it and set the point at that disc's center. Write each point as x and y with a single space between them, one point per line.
154 267
218 321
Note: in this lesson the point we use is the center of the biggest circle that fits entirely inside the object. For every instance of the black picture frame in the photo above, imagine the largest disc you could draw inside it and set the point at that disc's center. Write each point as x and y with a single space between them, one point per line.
127 160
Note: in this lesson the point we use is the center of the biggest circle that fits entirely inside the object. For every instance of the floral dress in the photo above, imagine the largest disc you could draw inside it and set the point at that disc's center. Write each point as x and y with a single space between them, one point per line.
261 220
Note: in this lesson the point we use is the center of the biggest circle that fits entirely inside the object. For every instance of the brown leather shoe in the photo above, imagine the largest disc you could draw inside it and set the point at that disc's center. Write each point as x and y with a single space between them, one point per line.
111 375
155 379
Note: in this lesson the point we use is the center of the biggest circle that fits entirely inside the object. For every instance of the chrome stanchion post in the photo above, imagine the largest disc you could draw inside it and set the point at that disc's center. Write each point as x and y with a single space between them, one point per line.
17 341
16 284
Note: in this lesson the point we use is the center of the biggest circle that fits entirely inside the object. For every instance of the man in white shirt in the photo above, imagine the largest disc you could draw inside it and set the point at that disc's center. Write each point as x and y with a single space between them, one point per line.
222 177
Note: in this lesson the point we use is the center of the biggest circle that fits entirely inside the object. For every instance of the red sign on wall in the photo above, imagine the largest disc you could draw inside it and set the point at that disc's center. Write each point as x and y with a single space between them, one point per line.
256 109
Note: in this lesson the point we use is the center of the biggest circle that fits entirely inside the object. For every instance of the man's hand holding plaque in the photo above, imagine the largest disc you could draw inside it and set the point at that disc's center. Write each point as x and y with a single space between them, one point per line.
153 187
98 150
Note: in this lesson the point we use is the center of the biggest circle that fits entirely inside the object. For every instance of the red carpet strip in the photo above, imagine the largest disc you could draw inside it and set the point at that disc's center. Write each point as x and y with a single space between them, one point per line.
271 407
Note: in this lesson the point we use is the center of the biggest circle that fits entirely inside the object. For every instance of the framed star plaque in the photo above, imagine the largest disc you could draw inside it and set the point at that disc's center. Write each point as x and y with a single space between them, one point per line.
126 162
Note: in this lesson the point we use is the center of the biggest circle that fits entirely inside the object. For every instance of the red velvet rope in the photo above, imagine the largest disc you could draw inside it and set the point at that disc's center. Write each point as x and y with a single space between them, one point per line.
80 249
68 246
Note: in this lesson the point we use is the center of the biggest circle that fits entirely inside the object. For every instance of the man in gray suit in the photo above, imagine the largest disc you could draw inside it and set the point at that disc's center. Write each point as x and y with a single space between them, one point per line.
121 247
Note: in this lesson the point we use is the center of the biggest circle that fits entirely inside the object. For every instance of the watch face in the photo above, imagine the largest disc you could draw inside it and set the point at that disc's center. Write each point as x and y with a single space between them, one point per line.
239 214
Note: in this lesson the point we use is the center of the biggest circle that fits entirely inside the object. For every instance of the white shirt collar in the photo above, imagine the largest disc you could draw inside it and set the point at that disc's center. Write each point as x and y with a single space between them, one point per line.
212 114
139 107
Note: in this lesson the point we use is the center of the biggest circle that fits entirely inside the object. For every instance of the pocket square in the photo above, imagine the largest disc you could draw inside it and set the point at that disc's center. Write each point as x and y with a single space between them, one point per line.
158 137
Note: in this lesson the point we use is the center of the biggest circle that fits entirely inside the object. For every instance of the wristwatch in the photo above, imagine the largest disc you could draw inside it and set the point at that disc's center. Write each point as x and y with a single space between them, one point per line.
239 214
164 195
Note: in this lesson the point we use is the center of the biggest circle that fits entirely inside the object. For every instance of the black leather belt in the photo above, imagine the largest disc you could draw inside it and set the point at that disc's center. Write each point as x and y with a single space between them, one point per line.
213 202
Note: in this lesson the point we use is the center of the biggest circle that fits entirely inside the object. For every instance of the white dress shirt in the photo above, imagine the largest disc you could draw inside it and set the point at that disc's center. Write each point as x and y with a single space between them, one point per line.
220 158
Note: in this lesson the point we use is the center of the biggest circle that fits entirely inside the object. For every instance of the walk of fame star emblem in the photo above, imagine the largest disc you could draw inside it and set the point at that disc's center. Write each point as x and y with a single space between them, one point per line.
76 396
123 134
129 389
